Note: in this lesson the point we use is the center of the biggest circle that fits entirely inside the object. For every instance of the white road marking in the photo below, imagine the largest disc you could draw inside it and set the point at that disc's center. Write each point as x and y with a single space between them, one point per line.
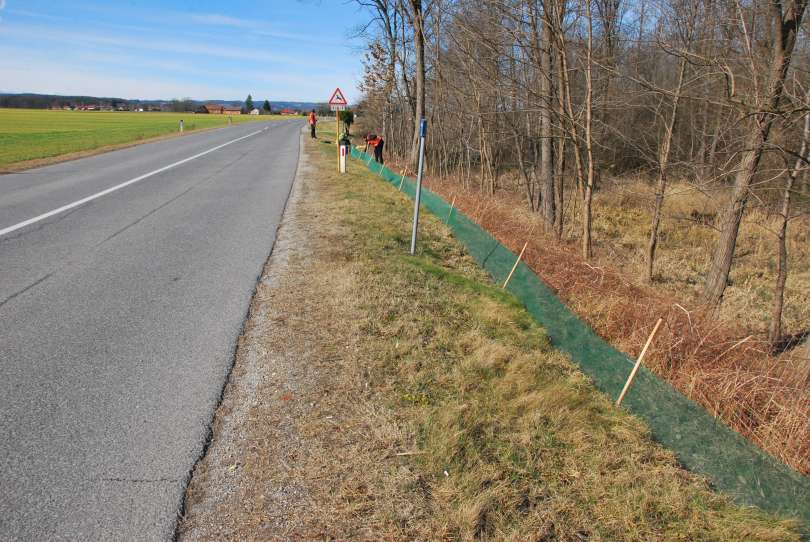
112 189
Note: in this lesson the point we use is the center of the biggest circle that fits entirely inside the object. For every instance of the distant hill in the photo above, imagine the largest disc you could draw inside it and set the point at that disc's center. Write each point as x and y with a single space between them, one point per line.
46 101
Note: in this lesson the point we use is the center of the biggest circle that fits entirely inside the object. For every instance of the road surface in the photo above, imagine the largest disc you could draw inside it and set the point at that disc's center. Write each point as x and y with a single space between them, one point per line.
124 284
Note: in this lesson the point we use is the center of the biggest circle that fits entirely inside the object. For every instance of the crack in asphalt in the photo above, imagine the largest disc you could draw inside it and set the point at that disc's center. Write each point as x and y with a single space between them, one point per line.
172 200
40 225
139 480
32 285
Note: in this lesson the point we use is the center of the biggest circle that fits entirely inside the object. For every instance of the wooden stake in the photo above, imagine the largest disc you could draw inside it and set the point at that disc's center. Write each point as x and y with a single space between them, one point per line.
514 267
402 180
452 205
638 362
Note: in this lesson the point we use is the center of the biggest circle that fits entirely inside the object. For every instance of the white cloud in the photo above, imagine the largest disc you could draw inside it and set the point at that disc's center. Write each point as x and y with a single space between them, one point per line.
218 20
91 75
152 43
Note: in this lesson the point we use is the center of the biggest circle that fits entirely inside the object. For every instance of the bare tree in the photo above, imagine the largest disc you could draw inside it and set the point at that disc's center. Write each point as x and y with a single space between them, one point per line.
775 329
416 16
587 198
785 21
685 34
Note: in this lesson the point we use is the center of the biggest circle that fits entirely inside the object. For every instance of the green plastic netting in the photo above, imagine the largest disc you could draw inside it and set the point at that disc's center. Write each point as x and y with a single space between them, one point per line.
702 443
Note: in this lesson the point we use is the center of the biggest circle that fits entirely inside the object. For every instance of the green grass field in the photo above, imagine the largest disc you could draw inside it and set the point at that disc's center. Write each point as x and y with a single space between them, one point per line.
30 134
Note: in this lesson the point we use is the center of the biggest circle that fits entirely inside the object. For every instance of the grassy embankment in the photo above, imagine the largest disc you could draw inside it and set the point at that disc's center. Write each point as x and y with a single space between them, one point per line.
720 357
499 436
28 135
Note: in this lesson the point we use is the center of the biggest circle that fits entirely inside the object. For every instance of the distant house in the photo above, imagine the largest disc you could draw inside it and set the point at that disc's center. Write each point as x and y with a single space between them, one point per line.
288 111
254 111
214 109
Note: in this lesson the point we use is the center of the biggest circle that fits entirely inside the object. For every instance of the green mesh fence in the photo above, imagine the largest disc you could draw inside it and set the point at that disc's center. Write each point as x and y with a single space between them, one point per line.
702 443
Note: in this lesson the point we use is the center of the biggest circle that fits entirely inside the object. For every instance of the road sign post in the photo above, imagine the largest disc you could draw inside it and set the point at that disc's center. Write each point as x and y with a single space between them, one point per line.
337 103
422 134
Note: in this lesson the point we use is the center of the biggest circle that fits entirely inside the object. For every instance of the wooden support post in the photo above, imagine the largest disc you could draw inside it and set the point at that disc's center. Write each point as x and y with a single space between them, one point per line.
452 206
514 267
638 363
402 180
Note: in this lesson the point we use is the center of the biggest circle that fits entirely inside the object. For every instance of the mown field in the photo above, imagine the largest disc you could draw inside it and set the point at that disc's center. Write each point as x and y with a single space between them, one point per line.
32 134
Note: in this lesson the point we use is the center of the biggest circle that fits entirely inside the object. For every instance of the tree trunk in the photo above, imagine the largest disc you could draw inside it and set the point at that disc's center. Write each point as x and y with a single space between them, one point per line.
559 191
419 47
785 29
775 330
546 142
587 200
663 162
559 188
717 278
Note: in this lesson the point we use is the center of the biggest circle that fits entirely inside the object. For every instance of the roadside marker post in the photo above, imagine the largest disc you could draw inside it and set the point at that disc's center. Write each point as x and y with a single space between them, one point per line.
422 135
344 151
338 103
181 126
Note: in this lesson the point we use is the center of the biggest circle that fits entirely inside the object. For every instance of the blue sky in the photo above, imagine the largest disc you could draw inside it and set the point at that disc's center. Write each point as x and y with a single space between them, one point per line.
277 50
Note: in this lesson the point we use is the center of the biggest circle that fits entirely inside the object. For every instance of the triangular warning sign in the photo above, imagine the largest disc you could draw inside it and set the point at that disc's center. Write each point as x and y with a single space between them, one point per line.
338 98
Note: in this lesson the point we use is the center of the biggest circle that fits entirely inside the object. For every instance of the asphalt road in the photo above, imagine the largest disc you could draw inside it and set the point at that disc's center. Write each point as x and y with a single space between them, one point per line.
118 323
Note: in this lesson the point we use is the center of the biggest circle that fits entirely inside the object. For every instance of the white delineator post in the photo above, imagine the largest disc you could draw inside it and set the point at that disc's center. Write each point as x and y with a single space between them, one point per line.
181 126
343 151
422 134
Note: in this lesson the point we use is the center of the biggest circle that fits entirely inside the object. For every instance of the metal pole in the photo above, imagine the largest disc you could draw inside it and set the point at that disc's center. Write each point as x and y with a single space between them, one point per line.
337 135
422 134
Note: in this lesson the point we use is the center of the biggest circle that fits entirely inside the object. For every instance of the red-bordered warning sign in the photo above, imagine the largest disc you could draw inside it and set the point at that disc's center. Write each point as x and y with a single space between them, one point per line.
338 98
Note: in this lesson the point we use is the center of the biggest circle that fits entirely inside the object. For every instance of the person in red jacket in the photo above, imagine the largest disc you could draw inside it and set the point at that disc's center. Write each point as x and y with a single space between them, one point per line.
313 120
377 143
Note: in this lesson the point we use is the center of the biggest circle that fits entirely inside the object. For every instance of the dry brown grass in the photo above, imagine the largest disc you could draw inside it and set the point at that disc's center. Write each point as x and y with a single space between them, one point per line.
718 358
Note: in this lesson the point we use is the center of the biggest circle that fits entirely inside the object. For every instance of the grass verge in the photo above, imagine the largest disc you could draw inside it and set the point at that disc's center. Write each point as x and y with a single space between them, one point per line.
512 441
434 406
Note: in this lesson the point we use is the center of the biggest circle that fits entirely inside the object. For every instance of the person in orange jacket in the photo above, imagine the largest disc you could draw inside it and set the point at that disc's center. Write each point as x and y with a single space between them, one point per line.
313 121
378 143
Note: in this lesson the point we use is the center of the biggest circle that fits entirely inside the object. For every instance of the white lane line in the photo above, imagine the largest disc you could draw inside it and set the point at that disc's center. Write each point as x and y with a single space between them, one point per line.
112 189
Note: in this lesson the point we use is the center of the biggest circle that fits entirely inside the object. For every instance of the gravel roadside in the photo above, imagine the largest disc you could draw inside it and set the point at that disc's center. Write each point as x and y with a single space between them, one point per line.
248 485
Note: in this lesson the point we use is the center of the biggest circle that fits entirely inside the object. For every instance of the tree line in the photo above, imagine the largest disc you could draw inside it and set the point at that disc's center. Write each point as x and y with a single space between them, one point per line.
564 93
